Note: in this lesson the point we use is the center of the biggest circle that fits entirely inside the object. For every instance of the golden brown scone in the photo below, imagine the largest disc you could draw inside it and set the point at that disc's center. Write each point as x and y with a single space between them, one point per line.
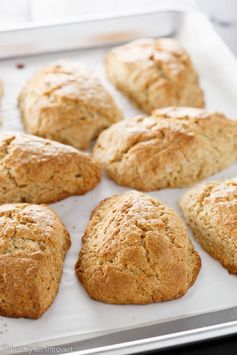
174 147
66 102
37 170
211 212
136 250
155 73
33 244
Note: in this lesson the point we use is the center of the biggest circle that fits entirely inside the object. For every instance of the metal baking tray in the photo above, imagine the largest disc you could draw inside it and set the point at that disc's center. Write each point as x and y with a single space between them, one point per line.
42 41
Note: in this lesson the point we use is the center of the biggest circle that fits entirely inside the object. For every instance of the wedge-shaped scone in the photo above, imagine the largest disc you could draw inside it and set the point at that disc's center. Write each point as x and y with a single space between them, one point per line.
136 250
211 212
66 102
174 147
33 244
37 170
155 73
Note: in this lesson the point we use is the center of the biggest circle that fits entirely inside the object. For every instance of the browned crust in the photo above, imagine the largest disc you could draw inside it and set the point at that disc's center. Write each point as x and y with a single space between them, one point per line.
33 244
155 73
174 147
211 212
37 170
136 251
67 102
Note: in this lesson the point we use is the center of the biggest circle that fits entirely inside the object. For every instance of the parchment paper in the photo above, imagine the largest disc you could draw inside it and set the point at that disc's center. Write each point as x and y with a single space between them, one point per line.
73 313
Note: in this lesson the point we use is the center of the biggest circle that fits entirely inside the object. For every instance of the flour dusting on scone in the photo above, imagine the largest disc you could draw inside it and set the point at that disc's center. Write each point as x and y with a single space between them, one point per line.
136 250
155 73
211 212
174 147
67 102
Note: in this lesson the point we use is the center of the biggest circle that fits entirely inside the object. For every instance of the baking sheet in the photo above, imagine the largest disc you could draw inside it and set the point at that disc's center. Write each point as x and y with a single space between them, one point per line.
73 313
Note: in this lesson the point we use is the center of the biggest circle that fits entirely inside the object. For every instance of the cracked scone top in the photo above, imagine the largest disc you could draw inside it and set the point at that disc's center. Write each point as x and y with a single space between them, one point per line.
174 147
155 73
33 244
136 250
37 170
66 102
211 212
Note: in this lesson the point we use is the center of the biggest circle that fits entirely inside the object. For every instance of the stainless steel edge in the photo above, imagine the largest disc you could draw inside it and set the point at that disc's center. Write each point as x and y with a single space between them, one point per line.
88 18
158 336
164 342
152 336
86 33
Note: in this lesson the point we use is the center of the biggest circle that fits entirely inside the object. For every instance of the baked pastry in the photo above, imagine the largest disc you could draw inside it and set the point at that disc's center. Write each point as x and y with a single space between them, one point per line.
66 102
33 244
174 147
136 250
211 212
37 170
155 73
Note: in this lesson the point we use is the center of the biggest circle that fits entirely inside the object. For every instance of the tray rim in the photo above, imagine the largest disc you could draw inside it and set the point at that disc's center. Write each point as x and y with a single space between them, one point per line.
31 31
39 25
161 342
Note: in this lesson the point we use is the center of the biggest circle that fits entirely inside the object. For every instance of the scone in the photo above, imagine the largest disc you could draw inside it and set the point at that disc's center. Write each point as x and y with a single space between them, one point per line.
174 147
66 102
33 244
37 170
211 212
155 73
136 250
